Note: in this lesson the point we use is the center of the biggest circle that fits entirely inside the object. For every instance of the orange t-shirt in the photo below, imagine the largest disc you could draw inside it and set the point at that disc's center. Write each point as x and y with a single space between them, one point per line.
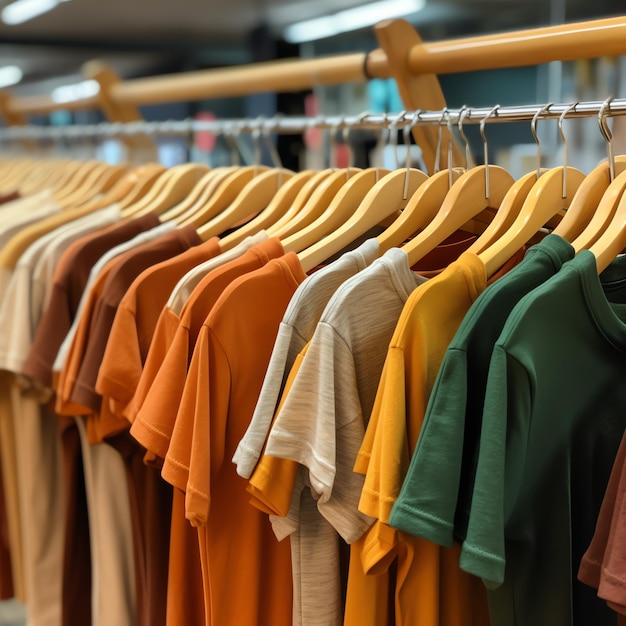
154 422
225 377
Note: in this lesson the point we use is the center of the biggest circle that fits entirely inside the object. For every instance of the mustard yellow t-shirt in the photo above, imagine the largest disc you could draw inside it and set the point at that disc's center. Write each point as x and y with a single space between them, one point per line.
431 316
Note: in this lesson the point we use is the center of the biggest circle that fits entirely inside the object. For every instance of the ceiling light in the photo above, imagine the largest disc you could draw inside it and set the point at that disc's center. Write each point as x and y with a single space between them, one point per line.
77 91
24 10
350 19
10 75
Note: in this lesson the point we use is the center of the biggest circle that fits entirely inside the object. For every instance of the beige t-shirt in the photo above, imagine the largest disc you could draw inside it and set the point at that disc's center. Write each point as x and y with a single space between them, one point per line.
323 417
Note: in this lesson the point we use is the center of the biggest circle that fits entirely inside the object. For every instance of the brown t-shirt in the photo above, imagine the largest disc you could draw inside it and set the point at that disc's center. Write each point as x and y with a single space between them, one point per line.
603 565
117 283
70 278
134 326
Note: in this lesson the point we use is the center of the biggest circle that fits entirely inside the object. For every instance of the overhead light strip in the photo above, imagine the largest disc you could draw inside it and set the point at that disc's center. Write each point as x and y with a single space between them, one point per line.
24 10
350 19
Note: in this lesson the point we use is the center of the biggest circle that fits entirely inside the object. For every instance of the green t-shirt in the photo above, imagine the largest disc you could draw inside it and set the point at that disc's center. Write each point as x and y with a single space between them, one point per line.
442 469
555 411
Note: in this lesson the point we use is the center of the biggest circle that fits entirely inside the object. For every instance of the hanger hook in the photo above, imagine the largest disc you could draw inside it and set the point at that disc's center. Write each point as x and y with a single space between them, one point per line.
333 142
494 111
269 126
393 135
450 135
571 107
345 135
406 132
257 128
533 130
231 133
464 112
439 140
605 110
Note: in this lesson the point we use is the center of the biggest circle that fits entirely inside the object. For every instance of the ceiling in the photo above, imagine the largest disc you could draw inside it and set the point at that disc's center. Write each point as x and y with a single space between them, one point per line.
139 38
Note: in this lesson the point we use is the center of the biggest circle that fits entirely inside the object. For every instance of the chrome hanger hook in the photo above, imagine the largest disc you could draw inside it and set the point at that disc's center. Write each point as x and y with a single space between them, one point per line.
533 130
393 135
230 134
439 140
603 121
449 125
406 132
485 149
571 107
270 126
463 113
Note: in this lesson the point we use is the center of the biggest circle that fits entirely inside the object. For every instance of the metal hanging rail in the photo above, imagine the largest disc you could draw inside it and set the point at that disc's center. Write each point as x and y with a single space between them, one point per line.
590 39
287 125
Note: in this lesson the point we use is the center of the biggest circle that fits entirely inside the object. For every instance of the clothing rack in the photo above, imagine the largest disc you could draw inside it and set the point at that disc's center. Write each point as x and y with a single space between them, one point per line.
402 55
292 125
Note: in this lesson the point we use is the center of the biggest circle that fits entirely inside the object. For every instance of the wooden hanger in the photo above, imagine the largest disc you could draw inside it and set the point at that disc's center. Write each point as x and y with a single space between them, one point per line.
196 193
552 193
31 176
283 226
613 239
590 193
146 179
603 214
77 177
343 204
420 210
546 199
126 186
169 189
226 192
278 206
252 200
51 179
483 187
508 211
95 184
387 197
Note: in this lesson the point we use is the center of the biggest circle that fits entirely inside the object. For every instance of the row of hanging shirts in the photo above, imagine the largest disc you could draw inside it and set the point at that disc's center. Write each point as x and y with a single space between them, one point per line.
252 396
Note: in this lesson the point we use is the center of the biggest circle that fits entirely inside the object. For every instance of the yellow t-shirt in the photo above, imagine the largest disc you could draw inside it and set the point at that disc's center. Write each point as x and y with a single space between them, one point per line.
425 571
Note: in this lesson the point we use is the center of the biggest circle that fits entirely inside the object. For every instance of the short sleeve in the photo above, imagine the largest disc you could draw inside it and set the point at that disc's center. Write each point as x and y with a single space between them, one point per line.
121 365
500 466
427 502
326 443
210 374
154 424
251 446
386 456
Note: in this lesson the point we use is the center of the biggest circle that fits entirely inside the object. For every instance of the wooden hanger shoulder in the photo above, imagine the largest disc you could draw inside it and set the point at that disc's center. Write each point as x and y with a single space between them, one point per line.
137 188
251 201
587 198
466 199
544 201
96 183
613 239
509 209
386 198
277 207
224 195
169 190
280 228
603 214
419 211
317 203
342 205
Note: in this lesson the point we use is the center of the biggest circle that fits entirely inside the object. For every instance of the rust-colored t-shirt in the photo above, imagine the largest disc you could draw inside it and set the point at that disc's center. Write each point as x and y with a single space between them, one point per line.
154 422
70 279
120 278
225 377
135 322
